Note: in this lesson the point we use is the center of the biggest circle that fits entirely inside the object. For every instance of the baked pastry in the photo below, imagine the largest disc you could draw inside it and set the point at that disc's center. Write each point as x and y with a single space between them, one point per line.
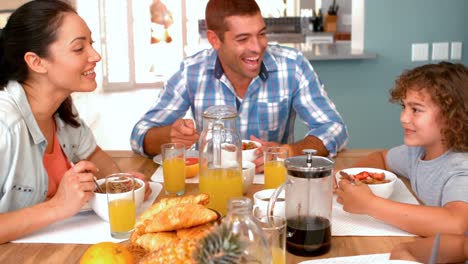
174 253
155 241
165 203
196 232
178 217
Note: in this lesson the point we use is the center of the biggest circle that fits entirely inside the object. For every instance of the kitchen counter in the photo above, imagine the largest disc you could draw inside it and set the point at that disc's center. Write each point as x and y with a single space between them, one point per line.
330 51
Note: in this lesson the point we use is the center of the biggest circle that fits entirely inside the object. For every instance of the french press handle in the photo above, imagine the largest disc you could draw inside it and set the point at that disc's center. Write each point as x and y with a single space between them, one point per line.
275 195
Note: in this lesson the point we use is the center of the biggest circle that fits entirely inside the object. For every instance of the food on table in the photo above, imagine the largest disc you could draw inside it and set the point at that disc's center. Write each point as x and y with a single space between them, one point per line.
107 252
196 232
229 147
221 246
248 145
191 167
155 241
180 252
121 186
365 177
148 214
169 231
181 216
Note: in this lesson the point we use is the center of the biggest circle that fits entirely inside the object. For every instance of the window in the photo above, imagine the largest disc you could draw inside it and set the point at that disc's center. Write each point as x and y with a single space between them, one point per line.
122 32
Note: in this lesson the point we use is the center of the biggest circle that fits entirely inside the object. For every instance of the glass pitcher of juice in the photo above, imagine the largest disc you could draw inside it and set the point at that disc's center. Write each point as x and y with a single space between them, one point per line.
220 150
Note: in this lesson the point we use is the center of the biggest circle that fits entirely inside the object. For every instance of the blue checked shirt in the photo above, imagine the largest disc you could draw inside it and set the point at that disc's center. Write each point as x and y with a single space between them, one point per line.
286 85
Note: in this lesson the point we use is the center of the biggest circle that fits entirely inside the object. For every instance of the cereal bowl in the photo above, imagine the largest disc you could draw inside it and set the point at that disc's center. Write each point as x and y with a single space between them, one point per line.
248 173
99 200
383 190
248 149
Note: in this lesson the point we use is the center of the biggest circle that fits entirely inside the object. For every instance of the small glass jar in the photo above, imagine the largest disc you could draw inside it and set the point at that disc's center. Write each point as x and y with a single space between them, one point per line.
241 222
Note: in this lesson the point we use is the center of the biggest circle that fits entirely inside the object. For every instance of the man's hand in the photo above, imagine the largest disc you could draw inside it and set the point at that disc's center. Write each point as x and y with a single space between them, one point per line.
259 152
183 131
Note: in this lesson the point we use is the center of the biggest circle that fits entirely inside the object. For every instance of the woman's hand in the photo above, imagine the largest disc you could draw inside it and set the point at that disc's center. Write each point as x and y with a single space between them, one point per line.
75 188
141 176
355 198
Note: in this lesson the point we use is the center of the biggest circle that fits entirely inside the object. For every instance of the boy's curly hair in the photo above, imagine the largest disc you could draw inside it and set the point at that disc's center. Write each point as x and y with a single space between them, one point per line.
447 84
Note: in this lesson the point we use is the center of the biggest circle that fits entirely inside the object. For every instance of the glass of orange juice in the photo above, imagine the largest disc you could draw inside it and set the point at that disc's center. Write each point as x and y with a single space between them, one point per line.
173 162
121 204
274 229
274 169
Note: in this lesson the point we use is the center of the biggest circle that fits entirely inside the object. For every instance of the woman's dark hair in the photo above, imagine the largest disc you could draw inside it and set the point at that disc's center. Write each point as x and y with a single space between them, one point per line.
33 28
447 85
217 10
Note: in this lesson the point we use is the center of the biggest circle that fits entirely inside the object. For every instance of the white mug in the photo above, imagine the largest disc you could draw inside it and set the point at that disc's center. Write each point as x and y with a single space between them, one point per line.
261 199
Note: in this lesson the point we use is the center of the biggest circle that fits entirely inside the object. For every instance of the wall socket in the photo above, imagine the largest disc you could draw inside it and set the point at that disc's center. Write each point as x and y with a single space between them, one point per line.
456 51
440 51
419 52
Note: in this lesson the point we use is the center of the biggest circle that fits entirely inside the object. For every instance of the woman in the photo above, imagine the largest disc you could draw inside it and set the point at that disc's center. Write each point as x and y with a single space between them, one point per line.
46 54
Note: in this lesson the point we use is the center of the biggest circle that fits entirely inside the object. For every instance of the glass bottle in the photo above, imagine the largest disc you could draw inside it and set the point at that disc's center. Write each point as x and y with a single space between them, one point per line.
241 222
220 149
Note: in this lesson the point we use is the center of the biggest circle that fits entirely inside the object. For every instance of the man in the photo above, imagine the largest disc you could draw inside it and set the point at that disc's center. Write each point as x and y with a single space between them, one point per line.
268 85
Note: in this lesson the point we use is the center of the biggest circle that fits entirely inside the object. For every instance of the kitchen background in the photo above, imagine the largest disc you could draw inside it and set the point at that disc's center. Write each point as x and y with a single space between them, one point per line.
358 87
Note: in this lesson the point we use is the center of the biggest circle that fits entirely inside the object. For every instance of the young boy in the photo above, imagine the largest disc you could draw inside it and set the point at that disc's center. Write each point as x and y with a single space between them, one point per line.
434 156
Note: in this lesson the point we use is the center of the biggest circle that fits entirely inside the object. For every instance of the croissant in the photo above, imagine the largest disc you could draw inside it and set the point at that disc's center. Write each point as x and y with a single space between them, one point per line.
174 253
196 232
165 203
155 241
178 217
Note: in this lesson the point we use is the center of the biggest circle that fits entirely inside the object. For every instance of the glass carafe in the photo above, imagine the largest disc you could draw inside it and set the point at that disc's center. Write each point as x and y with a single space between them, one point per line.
220 157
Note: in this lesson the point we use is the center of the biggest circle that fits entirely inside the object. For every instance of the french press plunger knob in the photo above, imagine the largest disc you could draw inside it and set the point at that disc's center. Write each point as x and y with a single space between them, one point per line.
309 153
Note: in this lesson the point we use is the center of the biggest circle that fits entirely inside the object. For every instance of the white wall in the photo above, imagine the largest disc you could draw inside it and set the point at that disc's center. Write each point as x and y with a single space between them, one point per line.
11 4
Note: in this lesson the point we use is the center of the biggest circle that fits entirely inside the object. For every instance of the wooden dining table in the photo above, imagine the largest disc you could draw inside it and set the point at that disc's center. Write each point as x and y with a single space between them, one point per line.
127 161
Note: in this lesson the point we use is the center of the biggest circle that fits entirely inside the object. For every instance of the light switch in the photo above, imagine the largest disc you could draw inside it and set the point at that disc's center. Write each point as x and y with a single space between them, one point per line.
419 51
440 51
456 51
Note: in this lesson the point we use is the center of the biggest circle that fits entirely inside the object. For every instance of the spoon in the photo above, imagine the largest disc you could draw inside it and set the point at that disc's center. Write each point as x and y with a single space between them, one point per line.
97 185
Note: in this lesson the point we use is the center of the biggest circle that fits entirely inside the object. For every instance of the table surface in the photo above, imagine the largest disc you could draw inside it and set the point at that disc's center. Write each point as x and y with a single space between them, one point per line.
128 161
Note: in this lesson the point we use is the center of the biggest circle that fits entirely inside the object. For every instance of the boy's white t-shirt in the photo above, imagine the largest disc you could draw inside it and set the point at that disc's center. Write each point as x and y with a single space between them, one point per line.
435 182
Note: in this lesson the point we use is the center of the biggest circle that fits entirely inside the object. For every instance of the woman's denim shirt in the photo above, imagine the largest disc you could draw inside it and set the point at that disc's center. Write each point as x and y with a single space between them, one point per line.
23 178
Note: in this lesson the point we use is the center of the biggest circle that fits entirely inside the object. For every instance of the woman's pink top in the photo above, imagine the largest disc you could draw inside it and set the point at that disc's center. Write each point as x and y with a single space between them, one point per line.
56 164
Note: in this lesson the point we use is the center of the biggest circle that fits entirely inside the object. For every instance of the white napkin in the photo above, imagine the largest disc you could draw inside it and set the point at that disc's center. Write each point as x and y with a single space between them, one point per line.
346 224
158 177
83 228
360 259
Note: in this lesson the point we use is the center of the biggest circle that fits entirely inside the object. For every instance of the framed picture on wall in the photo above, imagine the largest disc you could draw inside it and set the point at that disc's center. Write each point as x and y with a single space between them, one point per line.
4 15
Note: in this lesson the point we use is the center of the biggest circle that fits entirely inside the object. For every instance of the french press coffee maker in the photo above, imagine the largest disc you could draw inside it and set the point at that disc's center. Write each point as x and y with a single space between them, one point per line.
309 201
220 149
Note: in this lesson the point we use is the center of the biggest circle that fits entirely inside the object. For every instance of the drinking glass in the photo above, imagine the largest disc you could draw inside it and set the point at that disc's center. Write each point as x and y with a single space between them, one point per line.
121 203
274 229
173 161
274 169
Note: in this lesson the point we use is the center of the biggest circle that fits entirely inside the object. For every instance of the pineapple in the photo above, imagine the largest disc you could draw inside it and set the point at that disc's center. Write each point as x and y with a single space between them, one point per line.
220 247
